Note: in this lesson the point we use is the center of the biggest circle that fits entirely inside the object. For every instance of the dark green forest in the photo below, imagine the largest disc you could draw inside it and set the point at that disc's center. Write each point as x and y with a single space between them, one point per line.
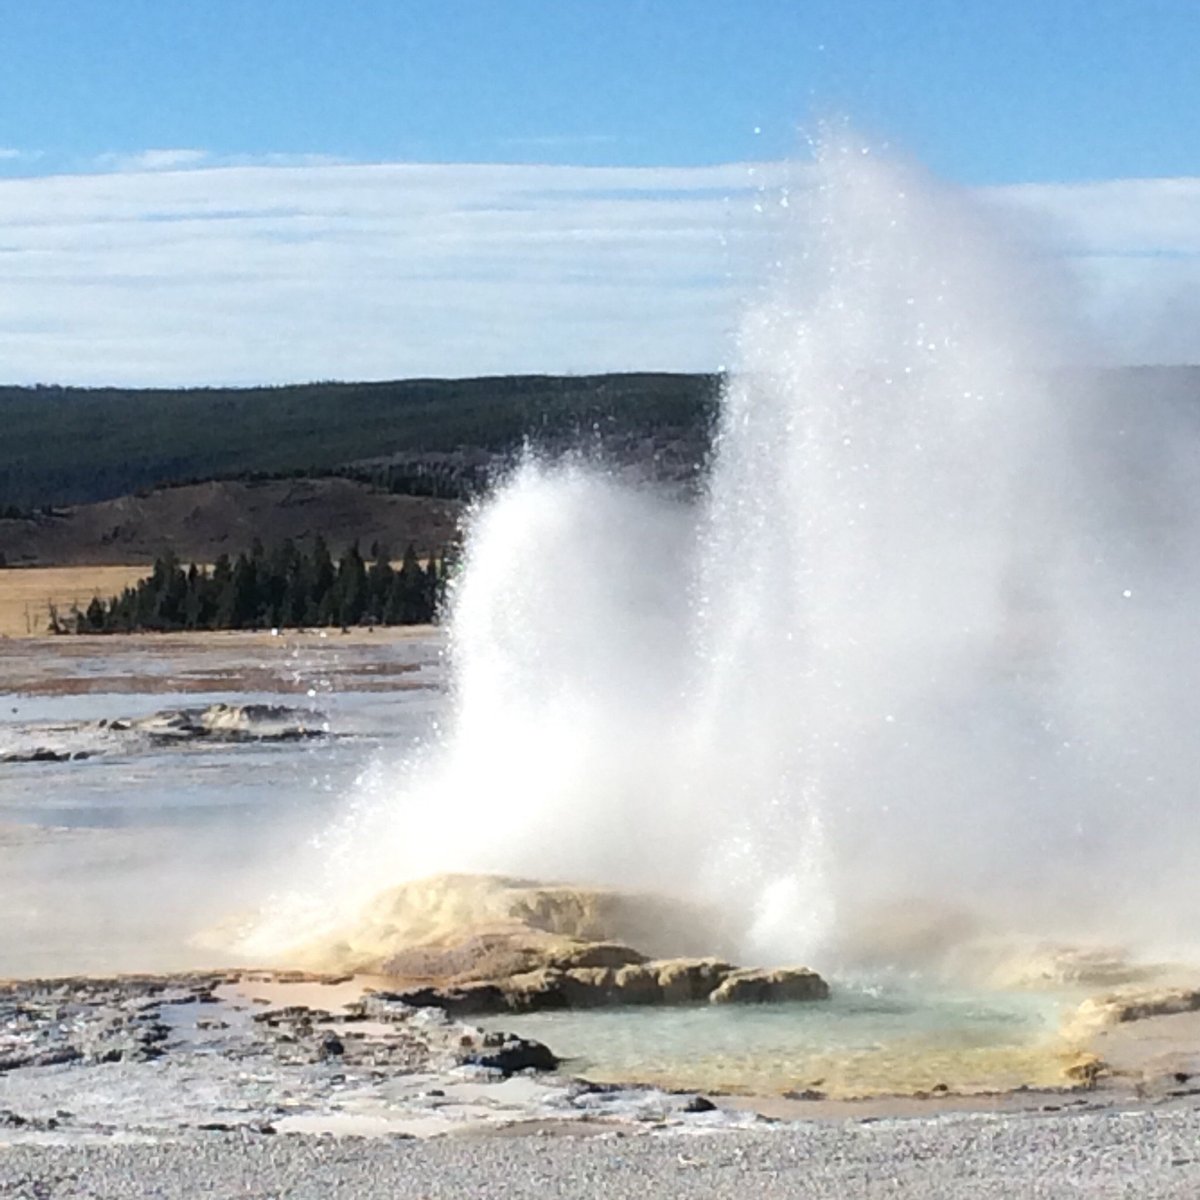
65 445
283 587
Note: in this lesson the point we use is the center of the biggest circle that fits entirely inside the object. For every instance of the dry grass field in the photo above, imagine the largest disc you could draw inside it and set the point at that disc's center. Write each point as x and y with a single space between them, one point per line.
26 593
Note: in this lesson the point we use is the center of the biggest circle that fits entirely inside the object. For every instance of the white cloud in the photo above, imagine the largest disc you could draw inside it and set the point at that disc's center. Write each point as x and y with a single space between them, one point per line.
184 159
266 273
153 160
175 271
1134 248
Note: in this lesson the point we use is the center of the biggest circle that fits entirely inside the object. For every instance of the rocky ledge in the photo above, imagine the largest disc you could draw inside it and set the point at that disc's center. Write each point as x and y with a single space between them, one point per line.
138 1019
636 981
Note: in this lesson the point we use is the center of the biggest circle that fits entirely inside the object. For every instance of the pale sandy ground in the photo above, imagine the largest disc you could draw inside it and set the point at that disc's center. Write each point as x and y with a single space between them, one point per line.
1095 1155
26 593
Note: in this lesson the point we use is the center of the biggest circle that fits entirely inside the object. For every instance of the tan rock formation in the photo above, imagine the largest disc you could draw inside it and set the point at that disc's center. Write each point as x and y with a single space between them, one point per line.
1115 1008
767 987
464 927
486 944
672 981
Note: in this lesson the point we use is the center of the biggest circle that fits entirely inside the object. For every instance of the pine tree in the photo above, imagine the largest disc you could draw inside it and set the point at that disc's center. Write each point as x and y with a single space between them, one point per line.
225 599
352 595
95 618
245 593
168 589
323 578
194 598
412 589
381 576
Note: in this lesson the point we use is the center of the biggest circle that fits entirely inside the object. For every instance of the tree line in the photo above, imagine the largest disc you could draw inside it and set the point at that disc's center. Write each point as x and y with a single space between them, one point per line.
285 587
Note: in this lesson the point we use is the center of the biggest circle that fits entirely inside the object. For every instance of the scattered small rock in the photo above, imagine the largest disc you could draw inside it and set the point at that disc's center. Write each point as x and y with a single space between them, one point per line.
331 1046
509 1054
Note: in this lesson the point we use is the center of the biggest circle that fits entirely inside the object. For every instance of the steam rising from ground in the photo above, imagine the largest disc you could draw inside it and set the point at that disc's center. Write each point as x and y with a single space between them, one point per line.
929 636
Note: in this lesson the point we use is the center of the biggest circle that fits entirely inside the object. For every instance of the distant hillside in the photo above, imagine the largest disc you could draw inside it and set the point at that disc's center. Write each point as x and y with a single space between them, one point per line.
62 446
202 521
107 449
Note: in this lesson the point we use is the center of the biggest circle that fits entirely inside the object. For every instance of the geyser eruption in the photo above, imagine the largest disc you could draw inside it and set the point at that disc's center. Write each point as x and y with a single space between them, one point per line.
925 637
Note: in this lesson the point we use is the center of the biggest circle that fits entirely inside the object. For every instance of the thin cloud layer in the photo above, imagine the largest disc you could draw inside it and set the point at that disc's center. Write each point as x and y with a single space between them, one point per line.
151 274
153 160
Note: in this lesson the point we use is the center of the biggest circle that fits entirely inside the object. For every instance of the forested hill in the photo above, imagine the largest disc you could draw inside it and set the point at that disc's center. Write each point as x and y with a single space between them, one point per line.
62 445
424 437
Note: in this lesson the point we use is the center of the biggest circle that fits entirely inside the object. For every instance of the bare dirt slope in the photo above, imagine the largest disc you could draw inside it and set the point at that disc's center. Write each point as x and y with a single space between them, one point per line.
204 520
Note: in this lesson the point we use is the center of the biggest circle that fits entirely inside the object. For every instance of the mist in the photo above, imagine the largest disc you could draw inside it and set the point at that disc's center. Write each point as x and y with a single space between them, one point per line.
924 643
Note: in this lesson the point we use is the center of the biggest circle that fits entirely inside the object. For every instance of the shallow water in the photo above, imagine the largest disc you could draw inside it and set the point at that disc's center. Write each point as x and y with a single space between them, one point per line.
115 862
864 1041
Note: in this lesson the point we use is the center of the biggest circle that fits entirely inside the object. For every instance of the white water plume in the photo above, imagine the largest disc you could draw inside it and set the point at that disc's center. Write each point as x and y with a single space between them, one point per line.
928 634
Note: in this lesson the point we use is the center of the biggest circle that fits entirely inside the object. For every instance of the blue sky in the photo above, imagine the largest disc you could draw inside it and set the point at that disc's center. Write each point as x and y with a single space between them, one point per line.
274 110
1002 91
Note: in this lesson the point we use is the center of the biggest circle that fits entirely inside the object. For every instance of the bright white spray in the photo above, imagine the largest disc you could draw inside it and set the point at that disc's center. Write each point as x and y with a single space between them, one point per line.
925 636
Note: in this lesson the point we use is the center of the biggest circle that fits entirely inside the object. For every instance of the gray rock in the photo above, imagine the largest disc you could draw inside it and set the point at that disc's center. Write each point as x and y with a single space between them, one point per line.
509 1054
230 723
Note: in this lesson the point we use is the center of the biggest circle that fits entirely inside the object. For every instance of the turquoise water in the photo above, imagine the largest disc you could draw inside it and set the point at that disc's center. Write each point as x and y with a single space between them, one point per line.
864 1040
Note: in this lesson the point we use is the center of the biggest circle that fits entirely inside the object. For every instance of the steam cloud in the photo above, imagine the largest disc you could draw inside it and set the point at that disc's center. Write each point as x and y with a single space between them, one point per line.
930 633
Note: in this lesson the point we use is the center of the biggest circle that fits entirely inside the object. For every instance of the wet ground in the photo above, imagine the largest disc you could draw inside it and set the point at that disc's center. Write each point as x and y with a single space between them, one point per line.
112 863
117 846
